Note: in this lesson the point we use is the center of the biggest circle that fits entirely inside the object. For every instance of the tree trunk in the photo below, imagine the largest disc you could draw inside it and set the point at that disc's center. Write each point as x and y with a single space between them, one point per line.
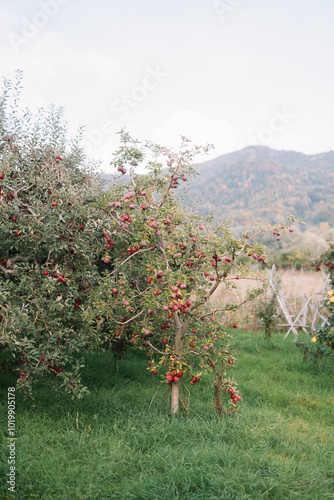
174 408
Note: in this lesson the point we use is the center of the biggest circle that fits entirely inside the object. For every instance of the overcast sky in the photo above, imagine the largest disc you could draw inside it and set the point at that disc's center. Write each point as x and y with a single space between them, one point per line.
228 72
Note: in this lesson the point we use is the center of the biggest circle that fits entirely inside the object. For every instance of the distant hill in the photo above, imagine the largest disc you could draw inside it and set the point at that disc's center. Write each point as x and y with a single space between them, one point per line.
259 183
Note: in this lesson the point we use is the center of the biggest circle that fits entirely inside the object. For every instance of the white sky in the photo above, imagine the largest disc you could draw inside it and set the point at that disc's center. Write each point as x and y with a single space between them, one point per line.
229 72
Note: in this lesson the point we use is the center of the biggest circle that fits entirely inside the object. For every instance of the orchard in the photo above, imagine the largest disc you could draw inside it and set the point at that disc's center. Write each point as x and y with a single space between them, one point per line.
84 267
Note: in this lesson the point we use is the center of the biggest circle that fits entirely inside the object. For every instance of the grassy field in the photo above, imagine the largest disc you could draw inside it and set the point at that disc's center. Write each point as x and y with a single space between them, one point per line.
114 445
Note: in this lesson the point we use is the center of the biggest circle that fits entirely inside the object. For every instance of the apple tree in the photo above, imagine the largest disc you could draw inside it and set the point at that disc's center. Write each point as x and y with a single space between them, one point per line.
51 243
165 263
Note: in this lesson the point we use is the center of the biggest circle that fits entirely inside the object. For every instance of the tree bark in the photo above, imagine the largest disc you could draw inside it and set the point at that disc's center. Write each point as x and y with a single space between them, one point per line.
175 399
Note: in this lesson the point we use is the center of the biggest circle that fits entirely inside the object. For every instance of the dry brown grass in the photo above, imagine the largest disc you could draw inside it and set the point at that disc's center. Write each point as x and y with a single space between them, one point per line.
293 284
302 283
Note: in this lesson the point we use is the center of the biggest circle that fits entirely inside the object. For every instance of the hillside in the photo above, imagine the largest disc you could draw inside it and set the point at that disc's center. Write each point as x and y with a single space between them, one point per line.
259 183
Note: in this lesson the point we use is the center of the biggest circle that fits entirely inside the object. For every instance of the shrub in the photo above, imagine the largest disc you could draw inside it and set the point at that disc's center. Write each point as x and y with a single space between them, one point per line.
322 342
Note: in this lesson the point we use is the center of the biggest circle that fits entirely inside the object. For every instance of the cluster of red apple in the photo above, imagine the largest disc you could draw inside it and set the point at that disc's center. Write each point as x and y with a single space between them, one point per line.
115 204
154 225
61 278
23 376
77 302
71 227
278 234
258 258
207 347
121 169
194 380
153 370
174 176
234 397
54 368
174 180
175 306
173 377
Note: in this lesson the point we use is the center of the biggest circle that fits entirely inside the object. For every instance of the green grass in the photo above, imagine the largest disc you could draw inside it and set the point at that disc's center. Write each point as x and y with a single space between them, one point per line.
113 445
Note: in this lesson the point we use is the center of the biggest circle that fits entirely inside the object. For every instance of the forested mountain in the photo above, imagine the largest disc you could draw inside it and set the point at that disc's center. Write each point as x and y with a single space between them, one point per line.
259 183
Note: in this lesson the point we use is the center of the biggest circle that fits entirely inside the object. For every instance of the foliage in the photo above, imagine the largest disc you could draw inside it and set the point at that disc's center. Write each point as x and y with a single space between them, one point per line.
327 260
267 312
297 258
50 243
322 345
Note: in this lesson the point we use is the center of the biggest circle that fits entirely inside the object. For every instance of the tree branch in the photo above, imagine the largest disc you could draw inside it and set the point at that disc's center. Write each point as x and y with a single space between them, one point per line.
6 272
170 183
129 320
155 349
17 259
